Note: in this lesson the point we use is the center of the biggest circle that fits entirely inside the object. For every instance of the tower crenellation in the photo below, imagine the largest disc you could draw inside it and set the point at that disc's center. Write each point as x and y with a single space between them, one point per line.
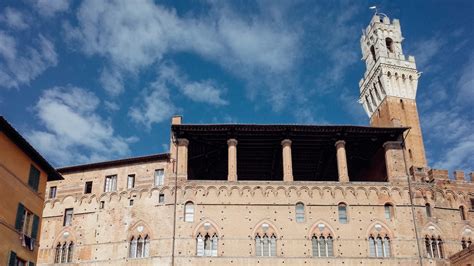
389 86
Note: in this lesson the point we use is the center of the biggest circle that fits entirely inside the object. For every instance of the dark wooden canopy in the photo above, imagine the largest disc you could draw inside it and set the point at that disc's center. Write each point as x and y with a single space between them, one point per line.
259 151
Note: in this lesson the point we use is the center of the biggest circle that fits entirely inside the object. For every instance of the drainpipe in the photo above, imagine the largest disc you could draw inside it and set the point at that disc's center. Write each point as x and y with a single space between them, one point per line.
174 140
420 258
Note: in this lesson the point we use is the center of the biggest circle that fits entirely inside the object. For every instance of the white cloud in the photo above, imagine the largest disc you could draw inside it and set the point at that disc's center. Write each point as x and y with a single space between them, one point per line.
112 81
459 156
49 8
134 35
20 65
205 91
14 19
466 82
154 106
74 132
425 51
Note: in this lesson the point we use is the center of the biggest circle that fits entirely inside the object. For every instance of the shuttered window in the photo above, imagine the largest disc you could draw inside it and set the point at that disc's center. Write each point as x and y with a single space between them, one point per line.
68 217
33 179
159 177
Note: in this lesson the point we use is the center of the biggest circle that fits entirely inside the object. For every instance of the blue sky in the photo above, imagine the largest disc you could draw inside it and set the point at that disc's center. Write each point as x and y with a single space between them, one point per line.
96 80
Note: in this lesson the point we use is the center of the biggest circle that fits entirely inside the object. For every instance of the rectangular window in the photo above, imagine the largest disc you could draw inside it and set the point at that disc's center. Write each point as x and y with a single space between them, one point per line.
88 187
161 198
110 183
130 181
52 192
131 203
68 217
159 177
472 201
33 179
101 204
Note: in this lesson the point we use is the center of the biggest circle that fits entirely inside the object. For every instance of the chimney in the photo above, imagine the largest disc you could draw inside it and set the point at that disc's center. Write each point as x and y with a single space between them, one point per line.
176 120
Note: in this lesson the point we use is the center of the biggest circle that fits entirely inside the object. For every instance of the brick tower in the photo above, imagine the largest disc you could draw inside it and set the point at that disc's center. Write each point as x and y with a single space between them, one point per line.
388 89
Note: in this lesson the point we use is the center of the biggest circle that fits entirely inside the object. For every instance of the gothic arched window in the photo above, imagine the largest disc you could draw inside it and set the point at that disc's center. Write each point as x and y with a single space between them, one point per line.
434 247
379 246
466 243
139 247
64 252
265 246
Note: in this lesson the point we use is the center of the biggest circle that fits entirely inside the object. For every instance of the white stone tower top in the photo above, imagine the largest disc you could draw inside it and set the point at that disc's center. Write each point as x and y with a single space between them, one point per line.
388 71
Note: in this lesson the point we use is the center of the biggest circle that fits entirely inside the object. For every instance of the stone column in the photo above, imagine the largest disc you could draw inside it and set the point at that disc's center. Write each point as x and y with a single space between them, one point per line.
342 161
232 160
287 162
394 161
183 157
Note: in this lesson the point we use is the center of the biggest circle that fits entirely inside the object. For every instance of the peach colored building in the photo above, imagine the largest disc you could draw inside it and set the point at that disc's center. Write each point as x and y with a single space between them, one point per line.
274 194
23 176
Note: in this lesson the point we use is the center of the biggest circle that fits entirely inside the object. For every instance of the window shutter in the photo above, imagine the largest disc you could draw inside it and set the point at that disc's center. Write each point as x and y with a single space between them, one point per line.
12 261
34 231
33 180
19 216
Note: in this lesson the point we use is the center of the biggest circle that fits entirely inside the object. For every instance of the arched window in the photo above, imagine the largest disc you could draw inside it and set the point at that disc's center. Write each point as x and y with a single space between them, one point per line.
463 214
386 246
265 246
132 248
57 257
379 246
402 104
410 154
389 44
70 250
140 247
342 208
388 209
189 212
146 247
466 244
372 246
214 245
64 252
428 209
372 51
299 211
199 245
434 247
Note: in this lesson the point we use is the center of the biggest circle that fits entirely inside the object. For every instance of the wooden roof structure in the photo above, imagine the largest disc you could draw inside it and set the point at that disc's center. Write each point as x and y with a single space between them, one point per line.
259 150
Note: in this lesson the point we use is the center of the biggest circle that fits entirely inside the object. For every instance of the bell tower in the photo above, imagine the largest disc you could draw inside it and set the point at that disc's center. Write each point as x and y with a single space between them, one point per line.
388 89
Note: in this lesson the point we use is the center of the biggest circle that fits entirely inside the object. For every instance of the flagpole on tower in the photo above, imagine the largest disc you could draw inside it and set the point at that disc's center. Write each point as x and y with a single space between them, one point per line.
374 8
